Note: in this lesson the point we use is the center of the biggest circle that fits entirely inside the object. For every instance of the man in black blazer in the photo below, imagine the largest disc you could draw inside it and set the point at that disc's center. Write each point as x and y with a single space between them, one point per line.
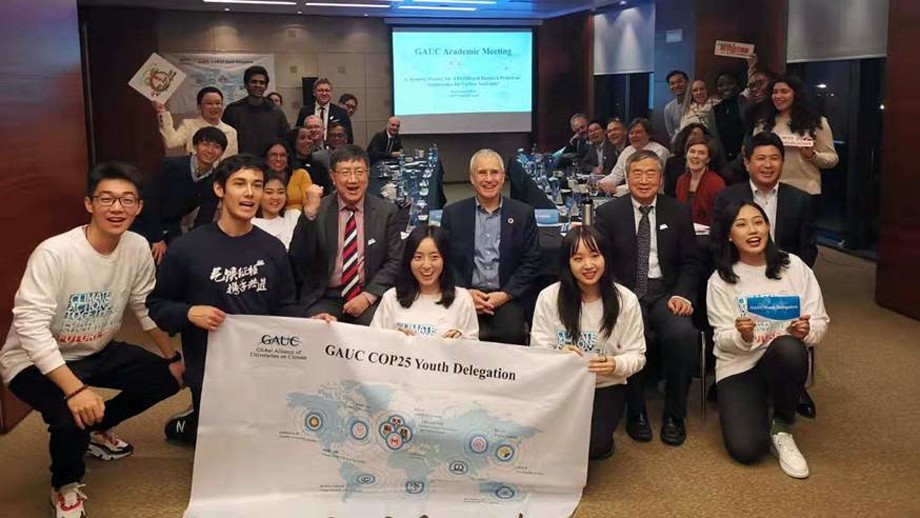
320 248
183 184
788 208
601 155
496 250
327 111
654 253
386 144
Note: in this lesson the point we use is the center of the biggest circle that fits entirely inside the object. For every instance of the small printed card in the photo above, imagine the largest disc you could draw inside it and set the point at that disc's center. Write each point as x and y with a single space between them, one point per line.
157 79
772 314
734 49
797 141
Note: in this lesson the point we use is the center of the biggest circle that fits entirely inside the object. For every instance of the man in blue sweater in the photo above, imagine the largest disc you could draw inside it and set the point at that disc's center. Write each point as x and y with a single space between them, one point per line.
226 267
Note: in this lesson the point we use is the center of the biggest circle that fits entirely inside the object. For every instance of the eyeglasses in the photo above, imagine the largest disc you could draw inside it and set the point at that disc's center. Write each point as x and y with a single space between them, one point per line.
107 200
357 174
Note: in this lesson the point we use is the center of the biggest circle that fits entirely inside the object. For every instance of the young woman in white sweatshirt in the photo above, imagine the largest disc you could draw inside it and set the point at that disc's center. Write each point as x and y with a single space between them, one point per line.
425 301
273 217
760 362
586 313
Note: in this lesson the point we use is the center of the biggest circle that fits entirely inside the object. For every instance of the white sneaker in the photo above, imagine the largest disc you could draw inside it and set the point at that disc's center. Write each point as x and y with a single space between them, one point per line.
68 501
106 445
790 458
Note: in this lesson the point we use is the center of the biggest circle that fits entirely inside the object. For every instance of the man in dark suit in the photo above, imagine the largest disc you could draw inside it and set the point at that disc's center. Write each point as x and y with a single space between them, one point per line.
496 250
577 145
601 155
788 208
327 111
182 185
386 144
346 247
655 255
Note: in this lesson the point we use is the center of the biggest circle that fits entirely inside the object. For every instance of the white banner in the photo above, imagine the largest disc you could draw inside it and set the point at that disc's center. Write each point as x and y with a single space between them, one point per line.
224 71
304 418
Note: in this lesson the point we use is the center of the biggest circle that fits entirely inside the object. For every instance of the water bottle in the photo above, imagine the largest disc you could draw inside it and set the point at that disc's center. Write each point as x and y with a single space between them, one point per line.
587 211
421 212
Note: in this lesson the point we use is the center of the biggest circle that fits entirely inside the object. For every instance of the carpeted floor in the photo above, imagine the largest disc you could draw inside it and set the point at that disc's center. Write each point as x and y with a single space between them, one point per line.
860 448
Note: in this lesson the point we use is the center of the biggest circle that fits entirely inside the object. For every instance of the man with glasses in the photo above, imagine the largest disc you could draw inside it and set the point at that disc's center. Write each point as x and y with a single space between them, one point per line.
496 250
257 120
182 186
346 248
67 310
327 111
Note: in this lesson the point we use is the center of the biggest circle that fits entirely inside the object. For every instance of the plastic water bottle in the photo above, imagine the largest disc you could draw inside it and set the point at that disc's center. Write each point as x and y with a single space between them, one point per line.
421 212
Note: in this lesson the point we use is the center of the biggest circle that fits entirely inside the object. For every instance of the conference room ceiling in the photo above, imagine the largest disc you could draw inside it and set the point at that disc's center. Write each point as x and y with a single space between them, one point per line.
445 9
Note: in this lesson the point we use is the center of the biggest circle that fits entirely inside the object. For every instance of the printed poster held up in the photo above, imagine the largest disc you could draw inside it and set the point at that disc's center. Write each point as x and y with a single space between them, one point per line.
157 79
734 49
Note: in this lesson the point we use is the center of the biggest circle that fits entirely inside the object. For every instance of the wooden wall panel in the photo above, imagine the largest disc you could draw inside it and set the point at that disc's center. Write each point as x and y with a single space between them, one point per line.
899 208
43 127
565 80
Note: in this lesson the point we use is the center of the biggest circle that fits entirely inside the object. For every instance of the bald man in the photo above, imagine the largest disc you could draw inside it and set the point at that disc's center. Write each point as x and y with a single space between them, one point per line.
386 144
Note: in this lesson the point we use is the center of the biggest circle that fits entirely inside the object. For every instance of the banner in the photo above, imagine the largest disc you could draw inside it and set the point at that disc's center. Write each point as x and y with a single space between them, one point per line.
772 314
303 418
224 71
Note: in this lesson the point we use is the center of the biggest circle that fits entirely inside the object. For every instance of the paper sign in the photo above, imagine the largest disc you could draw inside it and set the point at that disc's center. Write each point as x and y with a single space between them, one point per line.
157 79
797 141
772 314
734 49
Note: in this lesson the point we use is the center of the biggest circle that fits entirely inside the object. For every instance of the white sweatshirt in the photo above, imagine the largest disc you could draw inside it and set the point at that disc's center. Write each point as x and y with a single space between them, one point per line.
281 227
425 317
71 300
626 343
182 137
733 354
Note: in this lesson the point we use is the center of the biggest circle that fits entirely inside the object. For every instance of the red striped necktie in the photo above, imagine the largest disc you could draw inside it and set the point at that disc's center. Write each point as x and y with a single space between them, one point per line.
351 281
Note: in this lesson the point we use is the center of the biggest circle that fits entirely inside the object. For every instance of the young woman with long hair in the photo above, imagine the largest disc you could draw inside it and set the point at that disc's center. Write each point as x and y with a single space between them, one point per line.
272 216
587 313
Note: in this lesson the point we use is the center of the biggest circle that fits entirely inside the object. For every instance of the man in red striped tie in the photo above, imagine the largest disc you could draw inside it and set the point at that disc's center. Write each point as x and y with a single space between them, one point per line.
346 247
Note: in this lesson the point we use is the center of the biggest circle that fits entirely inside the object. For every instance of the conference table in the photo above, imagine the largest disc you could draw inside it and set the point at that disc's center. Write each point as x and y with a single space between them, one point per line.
382 173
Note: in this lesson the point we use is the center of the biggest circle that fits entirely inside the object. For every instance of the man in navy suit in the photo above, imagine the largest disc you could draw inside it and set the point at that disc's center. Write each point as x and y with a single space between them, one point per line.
788 208
496 250
654 253
327 111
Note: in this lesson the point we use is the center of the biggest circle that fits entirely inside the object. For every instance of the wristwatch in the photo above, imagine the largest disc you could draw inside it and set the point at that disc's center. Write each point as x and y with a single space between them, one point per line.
175 358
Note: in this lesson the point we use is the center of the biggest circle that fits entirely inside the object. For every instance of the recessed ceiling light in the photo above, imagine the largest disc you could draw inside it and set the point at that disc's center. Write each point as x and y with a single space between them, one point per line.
330 4
299 12
622 2
226 9
258 2
821 86
436 8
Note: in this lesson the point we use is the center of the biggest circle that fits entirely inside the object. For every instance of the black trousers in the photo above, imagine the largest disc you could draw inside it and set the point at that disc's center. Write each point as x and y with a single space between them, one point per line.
143 378
609 403
744 399
506 326
675 341
332 303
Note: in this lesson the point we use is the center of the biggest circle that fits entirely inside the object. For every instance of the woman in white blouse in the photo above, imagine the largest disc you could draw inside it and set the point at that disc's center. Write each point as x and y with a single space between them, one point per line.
586 313
425 301
273 217
765 307
639 132
210 107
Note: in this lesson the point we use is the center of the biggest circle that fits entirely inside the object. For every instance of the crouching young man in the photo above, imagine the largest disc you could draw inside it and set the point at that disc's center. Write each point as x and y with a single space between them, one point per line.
69 306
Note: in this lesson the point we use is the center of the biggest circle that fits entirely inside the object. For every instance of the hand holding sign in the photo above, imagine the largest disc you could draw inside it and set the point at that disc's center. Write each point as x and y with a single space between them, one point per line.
800 327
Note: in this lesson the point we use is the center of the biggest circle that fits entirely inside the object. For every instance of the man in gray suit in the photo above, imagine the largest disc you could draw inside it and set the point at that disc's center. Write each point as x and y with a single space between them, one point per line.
346 248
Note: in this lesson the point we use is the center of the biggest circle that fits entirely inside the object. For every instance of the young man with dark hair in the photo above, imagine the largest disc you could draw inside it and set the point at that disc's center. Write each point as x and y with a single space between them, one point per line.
349 103
182 185
677 82
211 106
257 120
226 267
68 308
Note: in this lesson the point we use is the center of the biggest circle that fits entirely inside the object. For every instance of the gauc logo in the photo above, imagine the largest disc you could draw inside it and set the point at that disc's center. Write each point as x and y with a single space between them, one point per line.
292 341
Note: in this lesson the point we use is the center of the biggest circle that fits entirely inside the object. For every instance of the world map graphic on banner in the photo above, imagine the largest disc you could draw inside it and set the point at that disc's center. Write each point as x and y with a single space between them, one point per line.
223 71
348 417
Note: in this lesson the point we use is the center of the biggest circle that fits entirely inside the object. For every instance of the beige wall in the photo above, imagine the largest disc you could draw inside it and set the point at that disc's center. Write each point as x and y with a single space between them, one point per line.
354 53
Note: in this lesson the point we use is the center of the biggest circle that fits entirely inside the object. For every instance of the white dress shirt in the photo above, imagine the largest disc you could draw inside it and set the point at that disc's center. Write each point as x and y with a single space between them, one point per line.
654 269
324 117
767 201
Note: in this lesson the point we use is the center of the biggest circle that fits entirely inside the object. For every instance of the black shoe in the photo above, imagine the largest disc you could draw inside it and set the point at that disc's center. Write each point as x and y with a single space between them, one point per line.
607 454
673 431
638 428
712 395
806 406
182 427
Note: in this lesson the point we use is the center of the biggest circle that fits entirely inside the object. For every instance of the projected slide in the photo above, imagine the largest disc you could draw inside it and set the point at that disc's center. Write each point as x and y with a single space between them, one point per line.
463 81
